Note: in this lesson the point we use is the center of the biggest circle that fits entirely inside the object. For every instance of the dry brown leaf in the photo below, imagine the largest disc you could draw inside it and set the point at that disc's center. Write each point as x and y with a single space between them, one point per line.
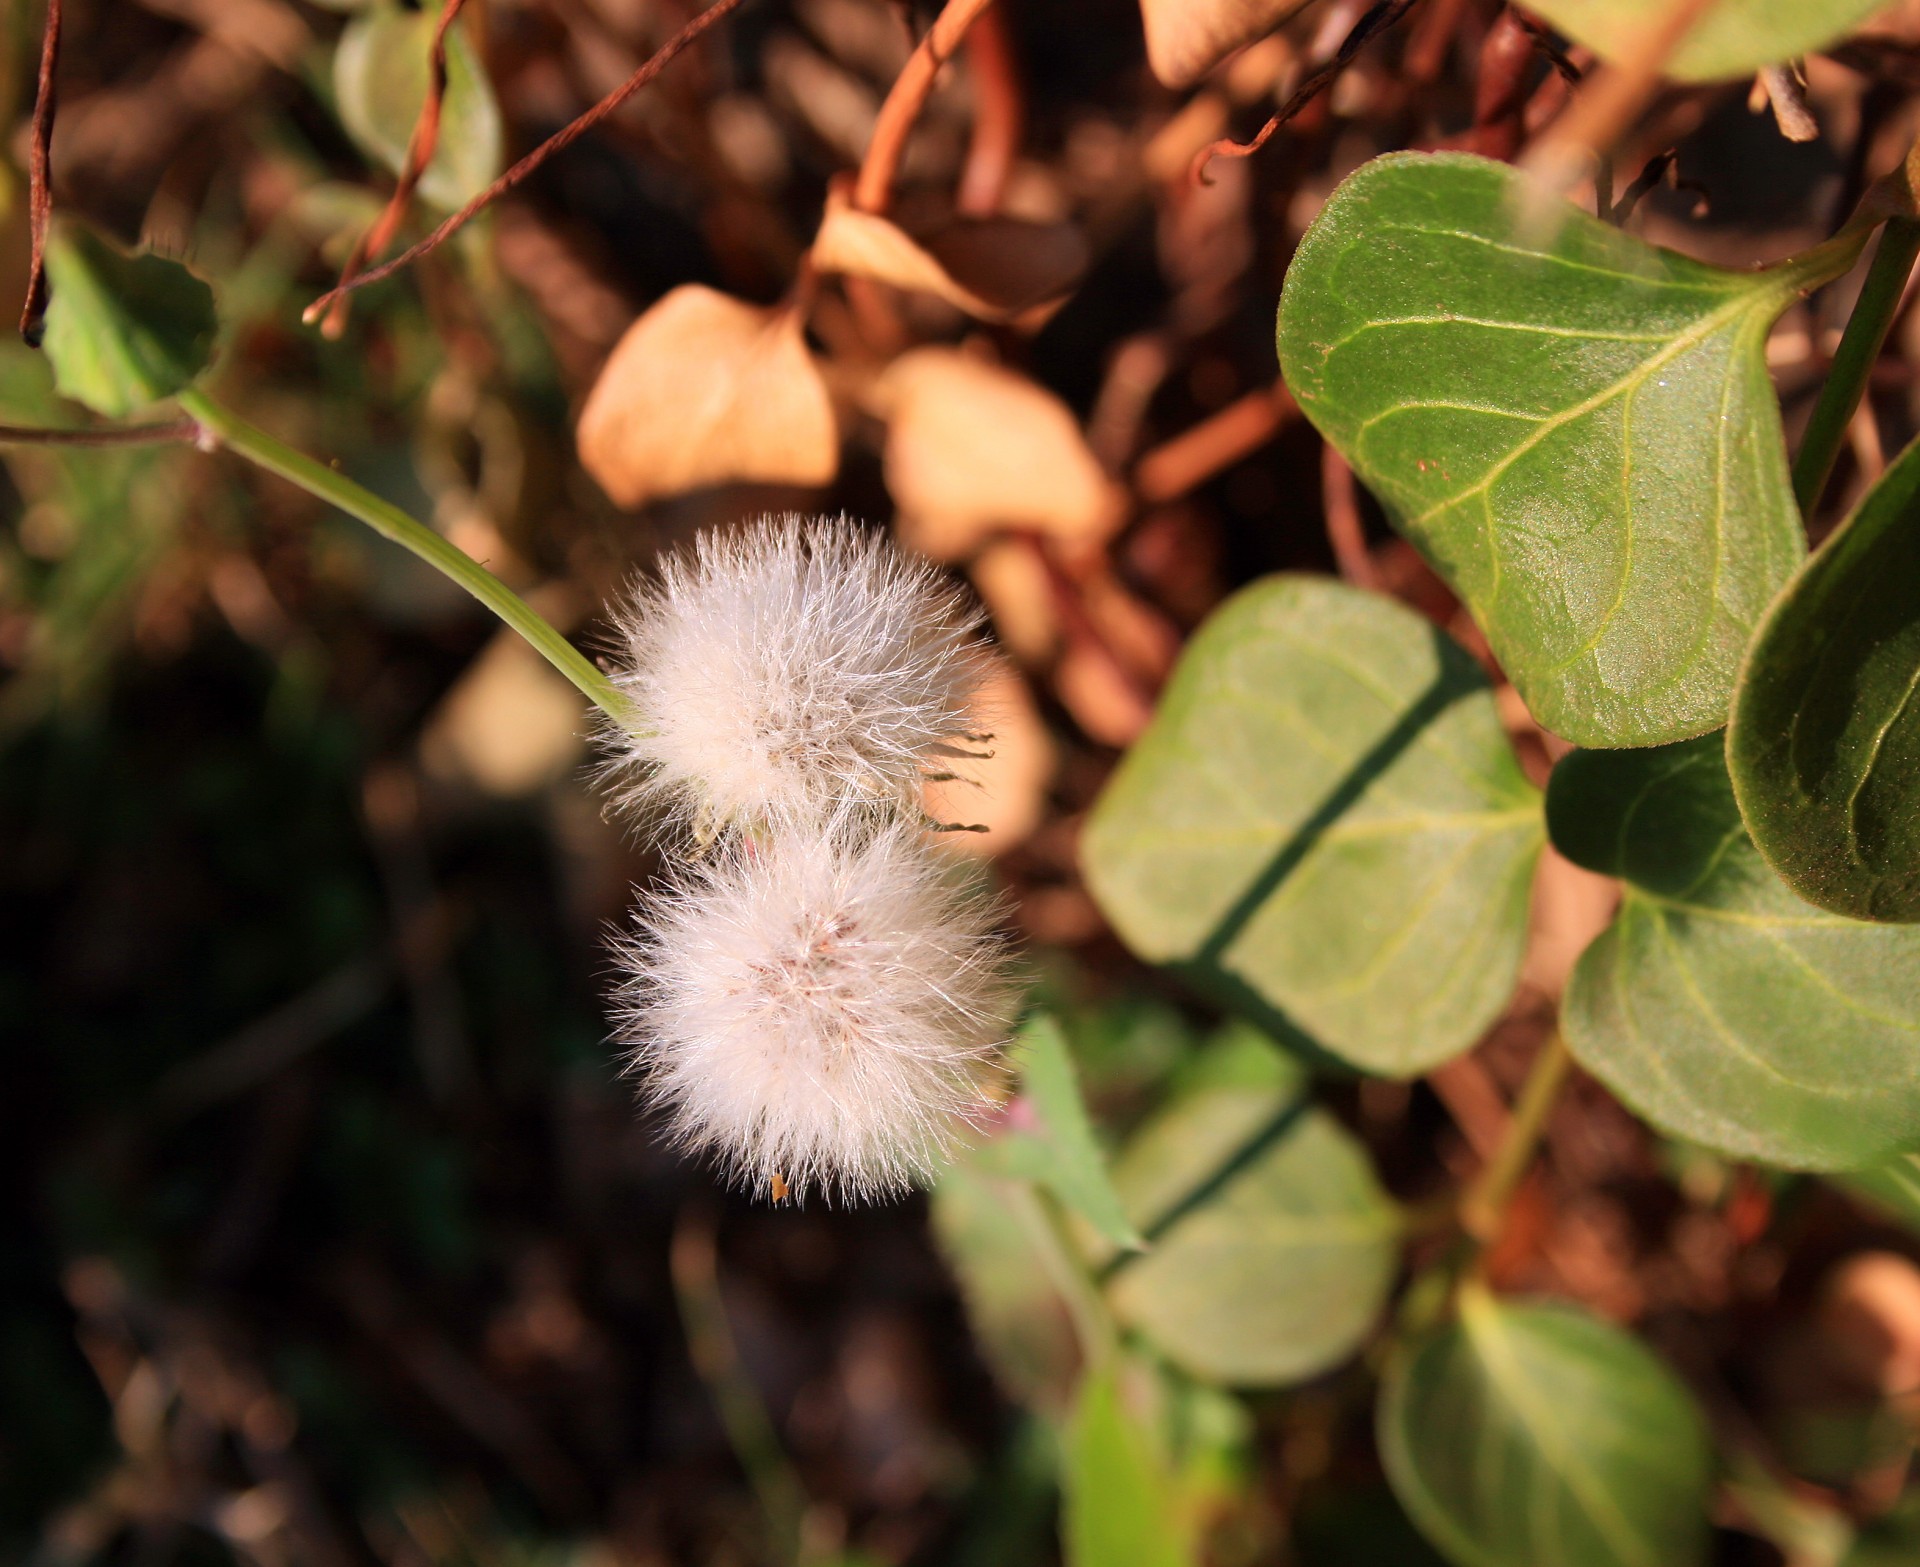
510 726
1106 705
706 389
994 268
1188 38
1870 1314
1011 579
1007 792
972 447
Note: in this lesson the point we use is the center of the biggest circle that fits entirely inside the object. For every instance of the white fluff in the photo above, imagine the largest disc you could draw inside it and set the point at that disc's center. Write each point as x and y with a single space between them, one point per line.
822 1007
787 669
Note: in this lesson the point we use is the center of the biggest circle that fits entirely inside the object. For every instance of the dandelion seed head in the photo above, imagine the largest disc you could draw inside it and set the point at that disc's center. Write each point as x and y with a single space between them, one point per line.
782 671
826 1008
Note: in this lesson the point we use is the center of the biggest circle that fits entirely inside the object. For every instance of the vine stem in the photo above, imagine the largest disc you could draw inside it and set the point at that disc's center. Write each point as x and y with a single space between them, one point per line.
390 522
873 189
1485 1201
1853 361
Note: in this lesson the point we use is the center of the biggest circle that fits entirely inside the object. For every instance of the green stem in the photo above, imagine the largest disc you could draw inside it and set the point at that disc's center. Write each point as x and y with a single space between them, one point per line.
1853 361
1485 1201
390 522
1046 1226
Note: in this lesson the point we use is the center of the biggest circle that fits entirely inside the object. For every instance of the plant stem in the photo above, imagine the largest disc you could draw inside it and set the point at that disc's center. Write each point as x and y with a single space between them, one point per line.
873 188
1045 1222
1853 361
1485 1201
390 522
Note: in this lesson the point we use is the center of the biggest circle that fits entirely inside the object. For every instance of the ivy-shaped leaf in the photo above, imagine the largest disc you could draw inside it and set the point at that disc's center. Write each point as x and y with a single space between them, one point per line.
122 331
1732 38
1576 428
1824 746
1718 1004
1539 1436
1271 1243
1326 827
380 77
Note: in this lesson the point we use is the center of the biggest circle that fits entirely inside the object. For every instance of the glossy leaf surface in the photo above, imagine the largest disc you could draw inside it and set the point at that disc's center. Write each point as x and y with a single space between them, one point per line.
1576 428
1326 827
1719 1005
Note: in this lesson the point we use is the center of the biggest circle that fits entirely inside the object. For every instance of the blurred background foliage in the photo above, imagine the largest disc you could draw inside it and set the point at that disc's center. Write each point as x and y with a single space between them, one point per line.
332 1234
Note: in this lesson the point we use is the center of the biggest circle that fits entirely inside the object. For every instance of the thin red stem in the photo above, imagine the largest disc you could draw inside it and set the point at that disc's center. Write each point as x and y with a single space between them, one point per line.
40 178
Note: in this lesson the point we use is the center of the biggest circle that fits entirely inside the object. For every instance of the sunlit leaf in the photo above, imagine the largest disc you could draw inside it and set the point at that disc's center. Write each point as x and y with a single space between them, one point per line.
1732 38
1824 747
1719 1005
1271 1243
1326 826
1049 1139
122 331
1892 1187
1576 428
1119 1503
381 71
1539 1436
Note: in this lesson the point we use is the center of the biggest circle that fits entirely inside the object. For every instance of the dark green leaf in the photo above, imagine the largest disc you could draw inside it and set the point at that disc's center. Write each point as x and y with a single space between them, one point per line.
1733 38
1577 429
1539 1436
1825 741
380 75
1326 827
122 331
1893 1187
1271 1243
1892 1541
1718 1004
1049 1139
1119 1499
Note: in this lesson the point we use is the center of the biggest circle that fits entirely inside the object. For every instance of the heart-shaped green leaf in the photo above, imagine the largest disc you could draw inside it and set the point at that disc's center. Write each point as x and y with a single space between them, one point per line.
1719 1005
1271 1244
1539 1436
1326 827
380 76
1824 746
1576 428
122 331
1732 38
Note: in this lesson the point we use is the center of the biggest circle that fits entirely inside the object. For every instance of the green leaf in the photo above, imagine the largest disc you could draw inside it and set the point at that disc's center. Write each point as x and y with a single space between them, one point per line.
1539 1436
381 71
1325 827
1824 746
1050 1140
1733 38
1892 1541
1893 1188
122 331
1119 1499
1719 1005
1577 430
1272 1245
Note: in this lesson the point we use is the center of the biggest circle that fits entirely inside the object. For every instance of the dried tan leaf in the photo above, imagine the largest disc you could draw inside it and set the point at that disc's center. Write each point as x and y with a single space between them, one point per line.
1011 580
994 268
1106 705
1007 792
510 726
707 389
972 448
1188 38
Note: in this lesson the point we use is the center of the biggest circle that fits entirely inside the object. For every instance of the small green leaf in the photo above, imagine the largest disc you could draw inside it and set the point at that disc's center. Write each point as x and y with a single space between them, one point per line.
1733 38
122 331
1539 1436
1824 747
1325 827
1719 1005
1119 1499
1272 1245
1050 1139
381 71
1577 429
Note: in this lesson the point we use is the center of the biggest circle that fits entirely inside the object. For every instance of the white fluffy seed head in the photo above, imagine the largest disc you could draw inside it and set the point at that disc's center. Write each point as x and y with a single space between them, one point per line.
824 1009
788 669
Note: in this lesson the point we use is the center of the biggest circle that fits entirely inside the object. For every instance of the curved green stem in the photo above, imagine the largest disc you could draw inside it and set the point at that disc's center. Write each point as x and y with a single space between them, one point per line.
1485 1202
390 522
1853 361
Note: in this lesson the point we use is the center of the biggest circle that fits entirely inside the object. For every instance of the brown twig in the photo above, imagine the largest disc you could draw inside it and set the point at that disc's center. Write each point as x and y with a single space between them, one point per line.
122 435
559 141
1377 19
1195 455
1643 182
999 116
873 190
1500 92
1345 531
40 180
421 146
